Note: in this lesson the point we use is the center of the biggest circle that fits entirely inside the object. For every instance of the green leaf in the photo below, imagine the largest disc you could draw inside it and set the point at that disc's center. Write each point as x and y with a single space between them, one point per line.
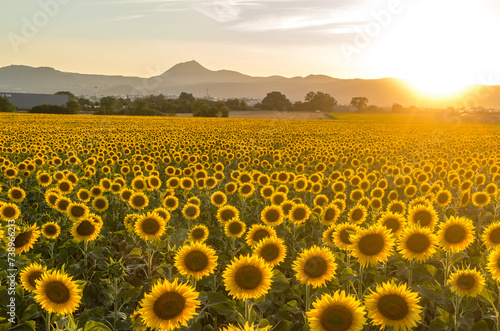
28 326
136 251
430 269
30 313
347 274
220 303
480 326
488 295
280 282
283 325
95 326
131 294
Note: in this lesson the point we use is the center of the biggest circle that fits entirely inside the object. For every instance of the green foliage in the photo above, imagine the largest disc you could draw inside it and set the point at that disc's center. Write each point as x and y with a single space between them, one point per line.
319 101
276 101
6 106
50 109
360 103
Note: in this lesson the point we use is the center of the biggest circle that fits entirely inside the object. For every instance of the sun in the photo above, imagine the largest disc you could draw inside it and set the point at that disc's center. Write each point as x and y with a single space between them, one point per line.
440 48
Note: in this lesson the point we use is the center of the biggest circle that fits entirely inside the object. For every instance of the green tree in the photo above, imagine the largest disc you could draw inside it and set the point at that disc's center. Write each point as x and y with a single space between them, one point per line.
397 108
360 103
276 101
200 108
224 111
73 106
108 104
70 95
187 96
320 101
6 106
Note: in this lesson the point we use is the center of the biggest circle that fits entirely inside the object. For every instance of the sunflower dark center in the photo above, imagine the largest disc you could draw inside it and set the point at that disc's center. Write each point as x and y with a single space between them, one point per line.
495 236
150 226
272 215
23 238
245 189
418 243
336 318
357 196
50 229
397 208
260 234
77 211
85 229
63 204
100 203
481 198
270 252
170 203
345 237
357 215
191 211
218 199
196 261
299 214
466 282
169 305
393 307
57 292
267 192
187 183
392 224
154 181
198 233
9 212
278 199
52 199
371 244
455 234
423 217
84 195
17 194
139 201
64 186
315 267
174 183
442 198
248 277
330 214
227 214
126 195
235 228
33 277
139 185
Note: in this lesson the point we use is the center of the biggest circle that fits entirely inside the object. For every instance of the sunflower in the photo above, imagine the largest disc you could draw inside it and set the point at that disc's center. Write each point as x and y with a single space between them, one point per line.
30 274
315 266
198 233
138 200
231 187
267 191
51 230
194 201
494 264
481 199
170 203
299 213
64 186
150 226
342 237
456 234
278 198
218 199
173 182
9 211
16 194
83 195
257 232
163 213
234 228
330 214
271 249
442 198
96 191
26 238
424 216
139 184
397 207
51 197
85 230
191 211
416 243
227 213
57 293
272 215
100 203
357 214
339 311
246 327
393 305
372 245
62 204
491 189
169 305
77 211
392 221
195 260
467 282
130 220
44 179
328 236
491 235
247 277
154 182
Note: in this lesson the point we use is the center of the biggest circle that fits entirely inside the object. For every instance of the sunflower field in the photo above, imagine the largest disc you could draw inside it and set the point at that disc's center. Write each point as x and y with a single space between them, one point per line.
364 222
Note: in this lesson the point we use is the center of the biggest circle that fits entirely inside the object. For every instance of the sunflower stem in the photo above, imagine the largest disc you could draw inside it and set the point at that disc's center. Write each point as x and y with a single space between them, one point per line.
308 298
47 321
115 300
410 276
85 246
360 284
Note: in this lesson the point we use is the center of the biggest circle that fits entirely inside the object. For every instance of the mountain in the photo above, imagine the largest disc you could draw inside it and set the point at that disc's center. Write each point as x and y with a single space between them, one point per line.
194 78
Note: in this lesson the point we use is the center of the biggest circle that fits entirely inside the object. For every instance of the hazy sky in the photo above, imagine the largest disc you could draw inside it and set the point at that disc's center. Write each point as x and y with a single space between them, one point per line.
436 42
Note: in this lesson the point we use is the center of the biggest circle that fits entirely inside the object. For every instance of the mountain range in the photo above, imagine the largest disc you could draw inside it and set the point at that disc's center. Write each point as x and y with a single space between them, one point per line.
193 78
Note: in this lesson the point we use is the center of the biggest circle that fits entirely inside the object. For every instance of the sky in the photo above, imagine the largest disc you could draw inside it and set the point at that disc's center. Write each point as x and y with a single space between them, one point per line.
437 45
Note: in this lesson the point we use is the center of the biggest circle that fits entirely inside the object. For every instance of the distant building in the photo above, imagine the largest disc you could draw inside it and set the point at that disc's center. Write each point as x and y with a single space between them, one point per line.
26 101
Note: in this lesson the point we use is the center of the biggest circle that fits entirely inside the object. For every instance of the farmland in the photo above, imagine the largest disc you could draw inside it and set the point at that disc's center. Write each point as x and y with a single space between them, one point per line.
354 223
